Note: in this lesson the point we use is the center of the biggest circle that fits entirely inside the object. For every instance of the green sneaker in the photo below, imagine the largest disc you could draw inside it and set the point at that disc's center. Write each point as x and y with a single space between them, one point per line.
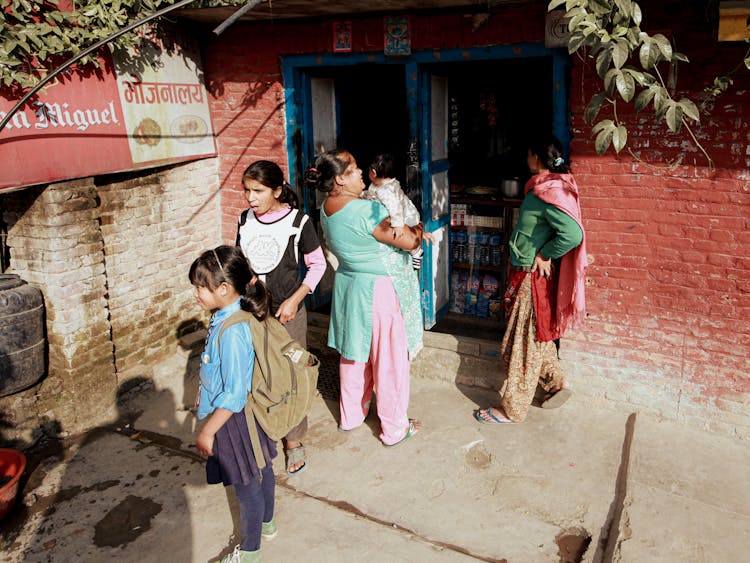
268 530
240 556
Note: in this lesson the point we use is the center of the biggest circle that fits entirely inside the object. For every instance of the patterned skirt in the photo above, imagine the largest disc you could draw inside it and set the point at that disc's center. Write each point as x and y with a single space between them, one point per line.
527 361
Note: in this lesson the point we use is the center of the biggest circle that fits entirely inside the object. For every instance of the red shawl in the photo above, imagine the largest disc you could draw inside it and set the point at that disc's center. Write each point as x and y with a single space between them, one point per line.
561 191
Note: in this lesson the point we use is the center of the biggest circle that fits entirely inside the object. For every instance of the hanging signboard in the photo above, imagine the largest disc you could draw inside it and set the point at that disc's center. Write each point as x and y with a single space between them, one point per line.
116 121
556 32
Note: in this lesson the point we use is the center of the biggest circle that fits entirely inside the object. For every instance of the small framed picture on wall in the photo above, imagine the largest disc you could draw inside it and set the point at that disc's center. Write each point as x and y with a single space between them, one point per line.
342 37
397 39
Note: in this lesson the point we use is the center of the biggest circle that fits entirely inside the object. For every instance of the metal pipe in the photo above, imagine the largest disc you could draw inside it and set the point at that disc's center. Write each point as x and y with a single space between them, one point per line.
235 16
85 52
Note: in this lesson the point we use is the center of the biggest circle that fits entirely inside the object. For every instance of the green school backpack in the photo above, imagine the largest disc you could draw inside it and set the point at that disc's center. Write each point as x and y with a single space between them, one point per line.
285 379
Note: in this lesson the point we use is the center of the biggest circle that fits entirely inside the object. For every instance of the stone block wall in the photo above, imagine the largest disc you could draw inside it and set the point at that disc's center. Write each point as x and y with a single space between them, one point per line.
153 227
56 245
111 256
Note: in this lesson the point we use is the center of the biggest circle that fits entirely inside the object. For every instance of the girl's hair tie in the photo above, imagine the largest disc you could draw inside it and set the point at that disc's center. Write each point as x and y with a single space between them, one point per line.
313 169
558 161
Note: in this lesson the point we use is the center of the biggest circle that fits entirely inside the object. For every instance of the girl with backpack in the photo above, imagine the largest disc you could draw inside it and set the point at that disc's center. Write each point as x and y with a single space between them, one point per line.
274 234
224 283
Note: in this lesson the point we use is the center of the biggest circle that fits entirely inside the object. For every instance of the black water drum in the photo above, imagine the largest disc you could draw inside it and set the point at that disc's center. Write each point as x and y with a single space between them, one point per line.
21 334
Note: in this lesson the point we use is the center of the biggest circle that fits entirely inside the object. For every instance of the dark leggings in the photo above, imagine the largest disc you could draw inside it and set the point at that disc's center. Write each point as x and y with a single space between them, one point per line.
256 506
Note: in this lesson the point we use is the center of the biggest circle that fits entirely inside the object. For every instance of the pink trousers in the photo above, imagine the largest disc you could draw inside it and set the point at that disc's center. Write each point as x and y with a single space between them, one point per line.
387 370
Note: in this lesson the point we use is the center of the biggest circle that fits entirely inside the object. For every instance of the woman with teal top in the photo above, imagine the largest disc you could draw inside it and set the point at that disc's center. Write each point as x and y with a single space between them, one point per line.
376 319
545 290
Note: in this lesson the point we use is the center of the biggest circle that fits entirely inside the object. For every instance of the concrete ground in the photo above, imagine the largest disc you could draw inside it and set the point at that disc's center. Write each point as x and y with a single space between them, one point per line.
620 486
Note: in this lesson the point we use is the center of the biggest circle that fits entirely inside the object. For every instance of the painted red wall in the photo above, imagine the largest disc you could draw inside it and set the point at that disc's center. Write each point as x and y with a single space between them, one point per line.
668 326
669 287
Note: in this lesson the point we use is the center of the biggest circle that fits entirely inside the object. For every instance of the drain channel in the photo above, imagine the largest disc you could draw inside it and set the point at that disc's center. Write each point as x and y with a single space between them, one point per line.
610 535
350 508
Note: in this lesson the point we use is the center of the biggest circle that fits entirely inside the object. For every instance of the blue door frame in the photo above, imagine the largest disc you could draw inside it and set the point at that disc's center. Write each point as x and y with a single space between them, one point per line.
296 75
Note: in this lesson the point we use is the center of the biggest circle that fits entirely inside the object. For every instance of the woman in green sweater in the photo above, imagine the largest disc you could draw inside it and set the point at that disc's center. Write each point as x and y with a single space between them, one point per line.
545 291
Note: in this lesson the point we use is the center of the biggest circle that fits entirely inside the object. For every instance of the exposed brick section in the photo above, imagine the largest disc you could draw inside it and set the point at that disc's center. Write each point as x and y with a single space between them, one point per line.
112 260
154 225
56 245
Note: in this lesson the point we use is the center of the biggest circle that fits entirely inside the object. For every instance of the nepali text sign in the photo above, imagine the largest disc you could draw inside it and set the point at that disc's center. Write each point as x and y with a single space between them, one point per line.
110 123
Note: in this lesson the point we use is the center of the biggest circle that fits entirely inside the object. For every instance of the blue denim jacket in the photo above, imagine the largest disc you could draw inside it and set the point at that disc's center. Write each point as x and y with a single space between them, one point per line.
225 380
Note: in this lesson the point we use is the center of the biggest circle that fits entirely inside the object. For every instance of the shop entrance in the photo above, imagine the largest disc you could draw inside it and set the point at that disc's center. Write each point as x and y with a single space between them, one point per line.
458 128
497 110
370 112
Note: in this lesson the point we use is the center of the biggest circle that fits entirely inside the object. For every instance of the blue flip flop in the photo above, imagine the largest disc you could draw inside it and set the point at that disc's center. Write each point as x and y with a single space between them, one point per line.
493 419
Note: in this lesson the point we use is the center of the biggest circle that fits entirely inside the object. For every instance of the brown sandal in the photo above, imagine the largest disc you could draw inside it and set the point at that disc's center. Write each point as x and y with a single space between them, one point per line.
555 399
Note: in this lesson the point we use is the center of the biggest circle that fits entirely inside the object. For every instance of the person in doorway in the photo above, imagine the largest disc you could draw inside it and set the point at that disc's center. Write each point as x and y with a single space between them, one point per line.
376 320
386 189
224 283
273 234
542 298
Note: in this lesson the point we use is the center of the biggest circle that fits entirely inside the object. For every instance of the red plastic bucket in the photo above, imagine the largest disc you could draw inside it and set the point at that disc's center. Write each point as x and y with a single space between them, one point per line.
12 465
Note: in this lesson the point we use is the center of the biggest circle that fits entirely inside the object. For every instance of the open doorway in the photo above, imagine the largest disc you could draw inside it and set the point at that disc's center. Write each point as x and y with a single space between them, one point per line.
371 112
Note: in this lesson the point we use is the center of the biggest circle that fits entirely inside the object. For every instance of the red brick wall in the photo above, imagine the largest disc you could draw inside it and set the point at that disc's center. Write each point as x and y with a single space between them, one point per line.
243 71
668 300
668 329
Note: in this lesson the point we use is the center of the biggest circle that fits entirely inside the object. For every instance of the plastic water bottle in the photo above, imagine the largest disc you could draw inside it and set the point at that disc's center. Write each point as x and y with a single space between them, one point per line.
484 249
496 251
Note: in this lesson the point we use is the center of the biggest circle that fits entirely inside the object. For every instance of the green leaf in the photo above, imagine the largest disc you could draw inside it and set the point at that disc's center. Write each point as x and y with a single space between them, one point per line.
620 31
674 117
634 37
680 57
689 109
723 82
603 61
648 55
35 40
642 78
555 4
664 46
575 42
661 97
610 78
603 140
643 99
620 54
575 22
619 138
636 14
624 6
600 7
593 107
625 86
747 62
604 124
